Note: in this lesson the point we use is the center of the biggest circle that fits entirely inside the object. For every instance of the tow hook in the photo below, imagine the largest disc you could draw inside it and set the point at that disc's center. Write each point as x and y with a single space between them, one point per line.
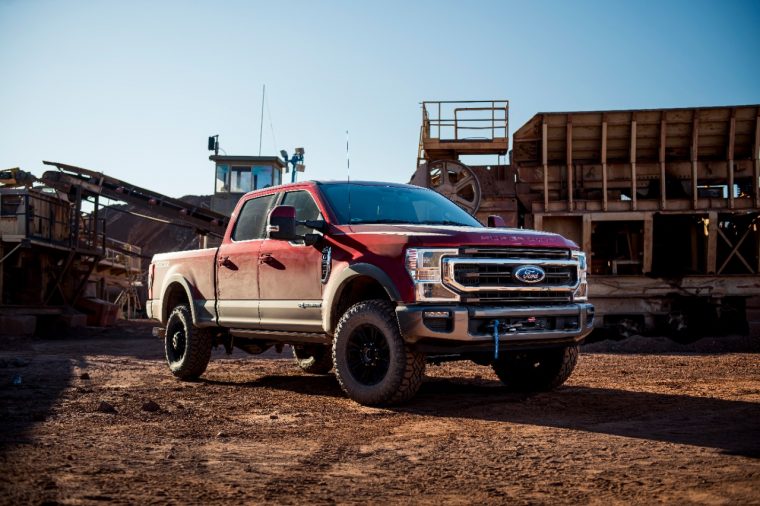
499 327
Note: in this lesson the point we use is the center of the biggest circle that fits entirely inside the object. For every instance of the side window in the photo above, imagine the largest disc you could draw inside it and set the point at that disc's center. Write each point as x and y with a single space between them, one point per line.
253 216
306 208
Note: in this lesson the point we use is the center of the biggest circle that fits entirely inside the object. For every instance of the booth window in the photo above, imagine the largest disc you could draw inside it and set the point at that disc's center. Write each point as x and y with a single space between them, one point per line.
222 178
240 180
262 176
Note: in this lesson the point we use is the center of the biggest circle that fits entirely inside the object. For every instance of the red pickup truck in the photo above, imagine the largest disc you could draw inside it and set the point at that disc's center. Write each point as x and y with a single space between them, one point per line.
374 280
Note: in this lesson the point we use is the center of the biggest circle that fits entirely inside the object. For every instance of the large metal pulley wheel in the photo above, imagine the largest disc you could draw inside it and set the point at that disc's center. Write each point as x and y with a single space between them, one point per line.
457 182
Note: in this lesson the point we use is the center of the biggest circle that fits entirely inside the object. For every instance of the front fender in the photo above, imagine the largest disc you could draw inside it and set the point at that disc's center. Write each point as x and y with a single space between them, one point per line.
338 283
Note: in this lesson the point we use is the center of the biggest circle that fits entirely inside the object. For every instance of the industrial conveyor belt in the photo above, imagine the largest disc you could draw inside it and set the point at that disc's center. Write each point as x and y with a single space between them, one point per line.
66 177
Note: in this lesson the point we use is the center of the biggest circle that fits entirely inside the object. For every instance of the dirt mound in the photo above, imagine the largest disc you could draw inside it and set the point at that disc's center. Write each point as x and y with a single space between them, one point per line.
658 344
124 224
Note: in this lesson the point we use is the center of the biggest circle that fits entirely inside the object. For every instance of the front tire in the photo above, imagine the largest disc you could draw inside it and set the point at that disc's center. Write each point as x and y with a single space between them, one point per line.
313 358
536 371
187 348
373 364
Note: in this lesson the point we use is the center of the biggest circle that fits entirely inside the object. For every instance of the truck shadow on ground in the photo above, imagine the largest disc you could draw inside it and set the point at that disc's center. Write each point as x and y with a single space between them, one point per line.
726 425
729 426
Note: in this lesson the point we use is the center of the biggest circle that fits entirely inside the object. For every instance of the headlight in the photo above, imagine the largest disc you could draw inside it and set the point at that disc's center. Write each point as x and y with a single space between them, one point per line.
424 267
581 293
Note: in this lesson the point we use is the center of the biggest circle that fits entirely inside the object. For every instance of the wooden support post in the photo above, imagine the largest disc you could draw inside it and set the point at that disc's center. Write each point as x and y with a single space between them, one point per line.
545 162
634 186
2 274
663 140
693 249
694 157
570 178
648 244
730 156
586 231
538 222
604 163
712 242
756 161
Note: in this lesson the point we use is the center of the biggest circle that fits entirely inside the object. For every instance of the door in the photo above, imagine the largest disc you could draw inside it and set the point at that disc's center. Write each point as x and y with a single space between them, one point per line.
237 266
290 275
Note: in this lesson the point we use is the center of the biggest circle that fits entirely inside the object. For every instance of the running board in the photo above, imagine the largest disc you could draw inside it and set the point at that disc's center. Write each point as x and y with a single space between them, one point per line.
287 337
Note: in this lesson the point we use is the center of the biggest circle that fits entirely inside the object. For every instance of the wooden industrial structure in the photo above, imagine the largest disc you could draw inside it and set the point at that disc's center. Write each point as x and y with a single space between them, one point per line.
665 202
53 251
48 247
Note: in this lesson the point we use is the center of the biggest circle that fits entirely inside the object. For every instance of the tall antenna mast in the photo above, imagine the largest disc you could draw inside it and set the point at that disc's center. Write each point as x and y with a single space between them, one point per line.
261 123
348 178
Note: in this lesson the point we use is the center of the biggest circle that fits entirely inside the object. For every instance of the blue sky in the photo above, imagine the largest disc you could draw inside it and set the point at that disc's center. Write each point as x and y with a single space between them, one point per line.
134 88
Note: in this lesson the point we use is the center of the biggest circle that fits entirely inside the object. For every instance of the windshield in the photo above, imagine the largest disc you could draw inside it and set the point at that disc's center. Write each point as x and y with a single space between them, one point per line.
393 204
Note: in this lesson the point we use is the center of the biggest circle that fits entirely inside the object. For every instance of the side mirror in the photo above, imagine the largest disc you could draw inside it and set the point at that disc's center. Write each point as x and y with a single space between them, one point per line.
496 222
282 223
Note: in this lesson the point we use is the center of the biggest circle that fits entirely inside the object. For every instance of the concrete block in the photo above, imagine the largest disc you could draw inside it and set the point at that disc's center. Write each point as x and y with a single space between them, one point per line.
19 325
71 321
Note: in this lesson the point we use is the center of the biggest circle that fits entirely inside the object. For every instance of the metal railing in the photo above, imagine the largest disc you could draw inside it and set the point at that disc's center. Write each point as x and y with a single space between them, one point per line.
51 221
459 120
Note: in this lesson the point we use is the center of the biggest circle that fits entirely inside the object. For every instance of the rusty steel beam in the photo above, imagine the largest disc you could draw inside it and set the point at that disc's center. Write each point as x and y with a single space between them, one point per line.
544 158
730 157
604 163
756 161
570 178
663 142
633 163
694 157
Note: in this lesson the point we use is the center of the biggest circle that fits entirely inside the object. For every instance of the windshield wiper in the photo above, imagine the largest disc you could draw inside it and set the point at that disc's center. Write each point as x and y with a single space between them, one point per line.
380 221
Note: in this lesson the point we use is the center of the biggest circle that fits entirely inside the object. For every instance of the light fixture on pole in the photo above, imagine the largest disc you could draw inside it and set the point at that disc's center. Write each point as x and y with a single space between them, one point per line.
296 162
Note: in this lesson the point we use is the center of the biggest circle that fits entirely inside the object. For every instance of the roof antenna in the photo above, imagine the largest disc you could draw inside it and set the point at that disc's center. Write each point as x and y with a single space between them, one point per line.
261 123
348 178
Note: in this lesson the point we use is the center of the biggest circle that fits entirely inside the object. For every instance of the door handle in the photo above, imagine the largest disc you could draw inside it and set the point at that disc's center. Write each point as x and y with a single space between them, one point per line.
224 261
265 258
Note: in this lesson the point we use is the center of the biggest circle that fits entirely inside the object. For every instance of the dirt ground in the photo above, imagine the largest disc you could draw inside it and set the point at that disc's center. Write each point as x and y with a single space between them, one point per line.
681 425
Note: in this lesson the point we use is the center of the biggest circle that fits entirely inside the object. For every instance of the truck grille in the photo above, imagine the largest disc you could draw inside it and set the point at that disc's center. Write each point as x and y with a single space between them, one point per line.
501 275
487 275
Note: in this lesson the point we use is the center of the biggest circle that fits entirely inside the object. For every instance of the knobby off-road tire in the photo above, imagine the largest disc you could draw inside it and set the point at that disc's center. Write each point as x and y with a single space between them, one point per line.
372 363
188 349
536 371
313 358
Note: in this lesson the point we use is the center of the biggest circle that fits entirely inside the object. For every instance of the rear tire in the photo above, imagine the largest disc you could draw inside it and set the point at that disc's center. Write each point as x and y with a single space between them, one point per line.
536 371
187 348
373 364
313 358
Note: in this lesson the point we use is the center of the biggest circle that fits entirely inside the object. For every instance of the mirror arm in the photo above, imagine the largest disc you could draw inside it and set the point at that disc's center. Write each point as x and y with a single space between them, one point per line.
320 225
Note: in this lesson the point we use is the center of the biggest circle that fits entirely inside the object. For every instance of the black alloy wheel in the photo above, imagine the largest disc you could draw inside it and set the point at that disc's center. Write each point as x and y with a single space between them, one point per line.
368 354
176 342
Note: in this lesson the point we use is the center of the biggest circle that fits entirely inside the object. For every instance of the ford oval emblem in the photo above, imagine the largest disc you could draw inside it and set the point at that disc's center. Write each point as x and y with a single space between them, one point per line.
530 274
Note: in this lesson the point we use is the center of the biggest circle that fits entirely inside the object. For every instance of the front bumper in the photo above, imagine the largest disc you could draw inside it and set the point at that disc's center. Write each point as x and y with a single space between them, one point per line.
473 325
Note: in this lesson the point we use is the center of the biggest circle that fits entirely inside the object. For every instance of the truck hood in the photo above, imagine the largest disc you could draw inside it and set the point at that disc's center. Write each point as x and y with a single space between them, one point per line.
455 236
